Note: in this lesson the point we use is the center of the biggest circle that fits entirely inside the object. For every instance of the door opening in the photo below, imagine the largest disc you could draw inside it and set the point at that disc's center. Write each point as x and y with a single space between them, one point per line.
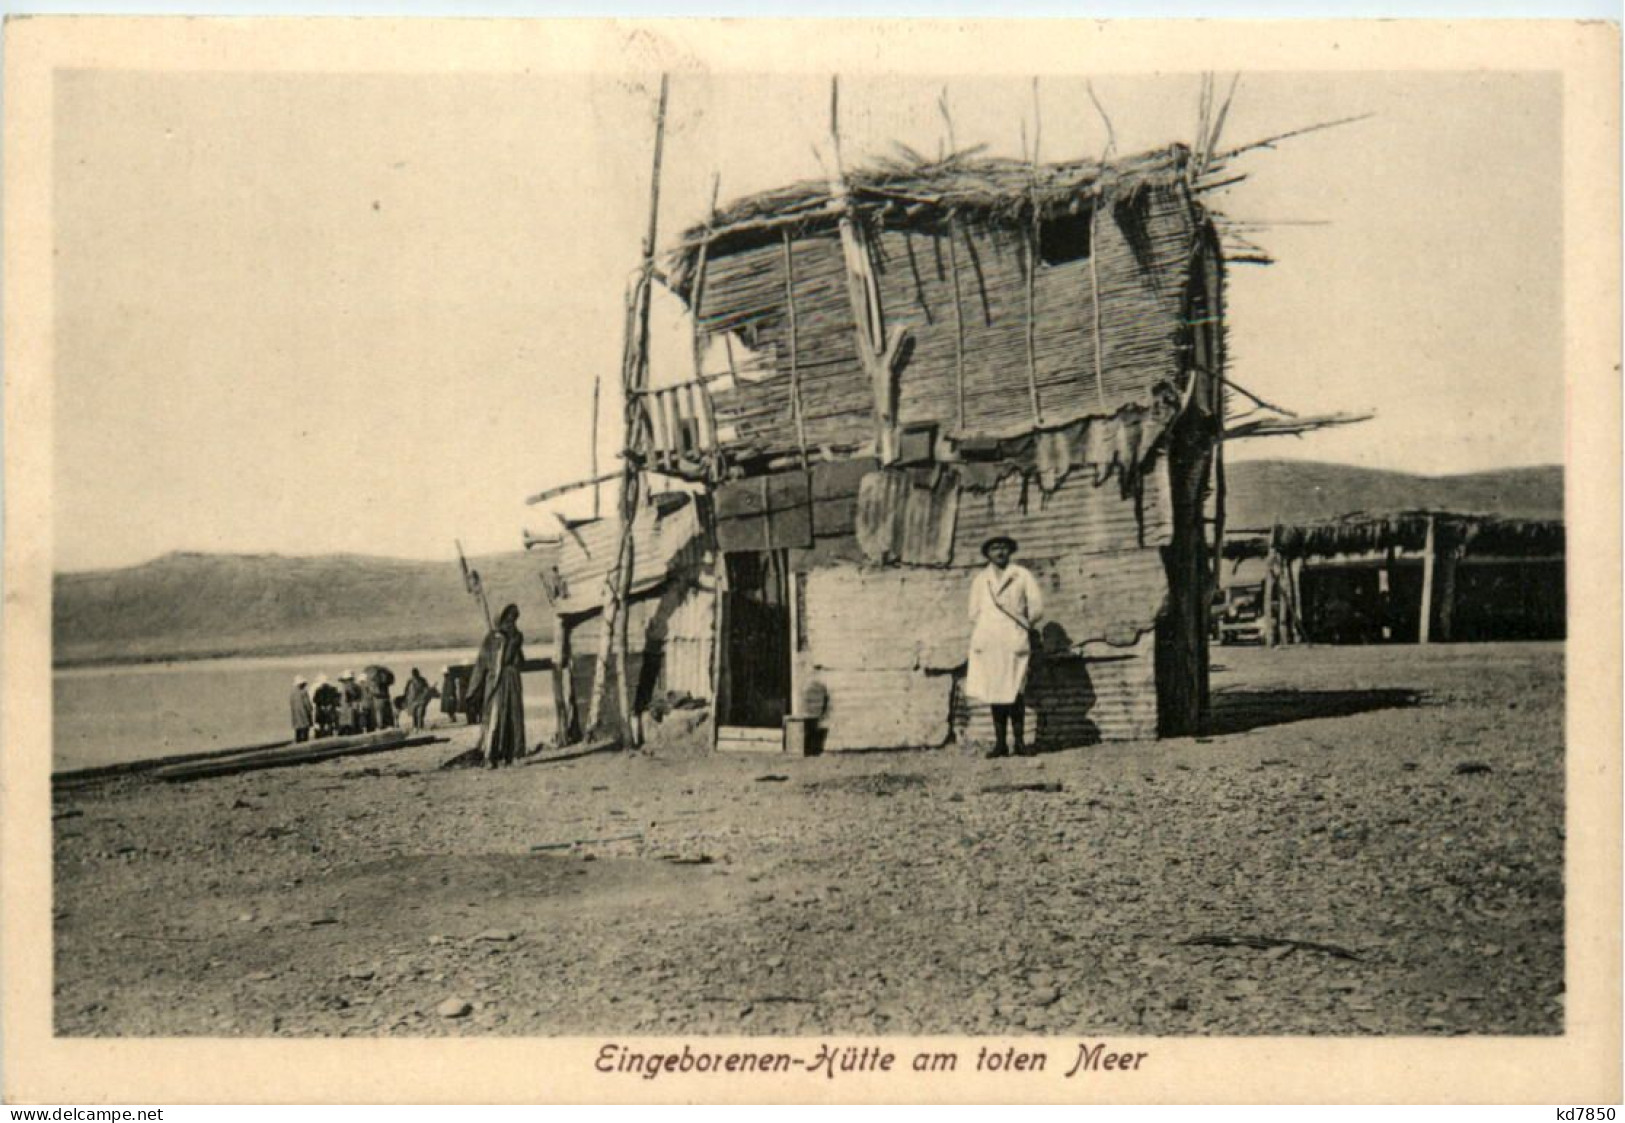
758 643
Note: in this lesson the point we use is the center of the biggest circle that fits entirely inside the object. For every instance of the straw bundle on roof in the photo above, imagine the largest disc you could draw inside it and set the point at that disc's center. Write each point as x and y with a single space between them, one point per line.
909 191
1407 530
1012 325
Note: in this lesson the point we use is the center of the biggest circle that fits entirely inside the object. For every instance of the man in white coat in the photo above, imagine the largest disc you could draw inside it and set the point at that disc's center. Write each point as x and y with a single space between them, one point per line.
1005 606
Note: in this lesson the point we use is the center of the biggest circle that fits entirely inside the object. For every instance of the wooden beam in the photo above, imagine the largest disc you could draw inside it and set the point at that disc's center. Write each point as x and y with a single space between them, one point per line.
880 353
634 380
567 722
1424 623
1385 593
596 479
795 366
959 313
1269 596
1448 561
576 485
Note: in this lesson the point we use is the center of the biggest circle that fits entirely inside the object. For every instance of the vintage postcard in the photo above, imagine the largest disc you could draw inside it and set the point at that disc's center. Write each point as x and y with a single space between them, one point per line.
811 561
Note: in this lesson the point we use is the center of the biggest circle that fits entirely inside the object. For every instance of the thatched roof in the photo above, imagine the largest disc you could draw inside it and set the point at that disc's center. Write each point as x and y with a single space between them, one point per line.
1362 533
909 191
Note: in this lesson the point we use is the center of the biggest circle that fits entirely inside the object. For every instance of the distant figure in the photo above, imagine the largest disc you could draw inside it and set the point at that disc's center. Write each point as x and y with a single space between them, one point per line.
418 694
380 680
304 711
1005 606
349 705
450 693
495 683
326 698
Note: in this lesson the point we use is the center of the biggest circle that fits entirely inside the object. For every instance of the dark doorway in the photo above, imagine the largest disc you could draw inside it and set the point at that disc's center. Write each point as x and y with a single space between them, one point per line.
757 611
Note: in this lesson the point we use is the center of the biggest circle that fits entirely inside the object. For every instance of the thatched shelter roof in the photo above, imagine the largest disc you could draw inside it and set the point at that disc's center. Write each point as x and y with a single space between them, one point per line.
1362 533
909 191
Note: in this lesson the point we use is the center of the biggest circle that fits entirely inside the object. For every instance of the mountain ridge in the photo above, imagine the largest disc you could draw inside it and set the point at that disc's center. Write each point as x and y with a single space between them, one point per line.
192 605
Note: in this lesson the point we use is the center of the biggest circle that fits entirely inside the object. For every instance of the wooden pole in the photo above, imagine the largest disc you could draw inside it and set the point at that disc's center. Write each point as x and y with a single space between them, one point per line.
795 368
1032 321
1219 495
564 687
1094 306
1294 572
1449 558
1269 595
1424 623
634 379
959 318
472 582
1033 241
597 385
1385 587
881 356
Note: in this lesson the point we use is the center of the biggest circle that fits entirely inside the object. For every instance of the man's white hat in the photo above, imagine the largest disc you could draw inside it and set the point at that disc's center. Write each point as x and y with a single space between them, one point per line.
345 675
300 680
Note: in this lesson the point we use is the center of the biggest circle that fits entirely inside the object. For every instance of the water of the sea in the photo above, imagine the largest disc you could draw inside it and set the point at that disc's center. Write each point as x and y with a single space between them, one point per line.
107 715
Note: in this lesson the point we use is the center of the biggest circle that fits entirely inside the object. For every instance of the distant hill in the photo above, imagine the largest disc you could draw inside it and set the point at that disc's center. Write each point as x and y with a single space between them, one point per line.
189 605
1260 493
198 605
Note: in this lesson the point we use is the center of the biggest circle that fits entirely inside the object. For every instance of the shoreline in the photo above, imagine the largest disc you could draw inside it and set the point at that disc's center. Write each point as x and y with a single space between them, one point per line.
271 651
1366 799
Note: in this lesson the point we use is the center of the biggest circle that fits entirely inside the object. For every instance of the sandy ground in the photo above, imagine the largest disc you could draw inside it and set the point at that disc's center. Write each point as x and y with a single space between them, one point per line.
912 892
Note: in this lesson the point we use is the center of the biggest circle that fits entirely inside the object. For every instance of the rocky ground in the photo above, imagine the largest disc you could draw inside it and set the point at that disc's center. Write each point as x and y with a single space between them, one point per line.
1381 829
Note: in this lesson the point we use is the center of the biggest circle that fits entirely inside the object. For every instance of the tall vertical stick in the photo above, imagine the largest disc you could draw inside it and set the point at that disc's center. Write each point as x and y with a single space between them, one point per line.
795 367
1424 625
1106 153
700 392
597 384
959 321
881 356
634 379
1033 236
1094 302
953 272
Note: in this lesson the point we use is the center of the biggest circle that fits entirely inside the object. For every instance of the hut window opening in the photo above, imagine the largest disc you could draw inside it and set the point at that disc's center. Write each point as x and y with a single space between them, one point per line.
1064 238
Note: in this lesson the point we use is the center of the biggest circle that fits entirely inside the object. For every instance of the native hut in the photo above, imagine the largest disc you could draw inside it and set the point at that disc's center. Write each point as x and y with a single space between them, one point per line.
1410 577
893 367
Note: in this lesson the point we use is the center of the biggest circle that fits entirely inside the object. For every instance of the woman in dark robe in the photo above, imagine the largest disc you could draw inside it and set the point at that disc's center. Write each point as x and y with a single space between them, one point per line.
496 682
451 693
416 699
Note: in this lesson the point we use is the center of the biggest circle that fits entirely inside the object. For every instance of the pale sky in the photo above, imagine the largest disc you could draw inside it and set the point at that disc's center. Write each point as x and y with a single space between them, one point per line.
315 313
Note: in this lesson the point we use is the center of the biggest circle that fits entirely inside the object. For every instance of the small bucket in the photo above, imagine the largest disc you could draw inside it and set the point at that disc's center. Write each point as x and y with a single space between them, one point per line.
800 735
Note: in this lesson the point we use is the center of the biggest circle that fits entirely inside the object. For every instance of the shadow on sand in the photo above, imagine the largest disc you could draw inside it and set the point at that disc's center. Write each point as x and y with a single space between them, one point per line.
1242 710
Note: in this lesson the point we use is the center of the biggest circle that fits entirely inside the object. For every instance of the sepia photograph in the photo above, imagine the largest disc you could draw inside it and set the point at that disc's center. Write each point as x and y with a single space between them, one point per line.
739 566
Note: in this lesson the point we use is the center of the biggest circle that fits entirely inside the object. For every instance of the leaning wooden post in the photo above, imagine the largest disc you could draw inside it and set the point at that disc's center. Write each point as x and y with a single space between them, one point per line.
1424 624
597 383
795 344
1385 594
1449 559
564 686
634 380
1269 595
1034 234
959 325
881 355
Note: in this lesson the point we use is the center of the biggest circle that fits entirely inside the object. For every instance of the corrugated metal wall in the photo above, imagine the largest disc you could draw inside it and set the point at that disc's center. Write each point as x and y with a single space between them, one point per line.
888 644
671 638
1078 518
1106 694
666 536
